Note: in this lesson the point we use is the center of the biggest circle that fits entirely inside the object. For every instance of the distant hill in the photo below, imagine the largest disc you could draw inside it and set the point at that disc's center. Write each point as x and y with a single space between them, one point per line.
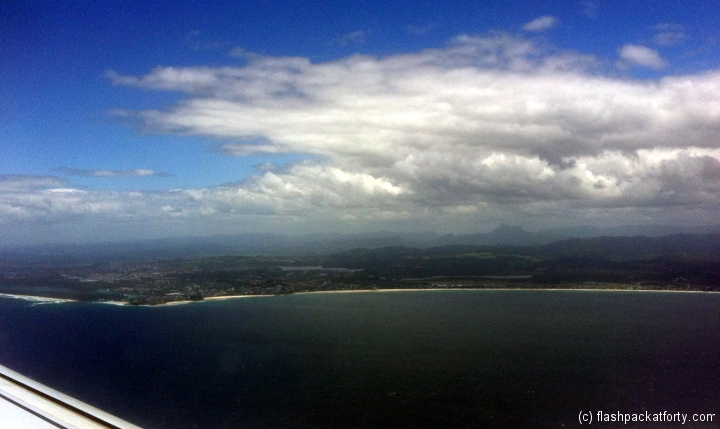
606 248
517 236
637 247
680 259
317 244
503 235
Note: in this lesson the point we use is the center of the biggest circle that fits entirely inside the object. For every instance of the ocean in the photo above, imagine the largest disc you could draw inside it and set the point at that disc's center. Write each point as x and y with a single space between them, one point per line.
420 359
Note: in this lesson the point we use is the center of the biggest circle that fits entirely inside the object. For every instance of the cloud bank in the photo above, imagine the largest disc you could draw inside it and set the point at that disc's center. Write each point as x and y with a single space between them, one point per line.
488 129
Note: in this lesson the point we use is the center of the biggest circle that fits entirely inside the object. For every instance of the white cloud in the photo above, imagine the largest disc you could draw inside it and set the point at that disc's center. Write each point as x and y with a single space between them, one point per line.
244 149
138 172
53 203
488 129
13 183
542 23
486 120
669 38
641 56
669 34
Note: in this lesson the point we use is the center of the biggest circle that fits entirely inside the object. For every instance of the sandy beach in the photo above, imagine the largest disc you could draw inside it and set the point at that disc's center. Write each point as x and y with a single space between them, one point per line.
210 298
46 300
216 298
504 289
38 299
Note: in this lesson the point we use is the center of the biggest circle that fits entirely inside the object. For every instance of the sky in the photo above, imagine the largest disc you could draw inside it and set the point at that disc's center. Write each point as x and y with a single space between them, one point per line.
124 120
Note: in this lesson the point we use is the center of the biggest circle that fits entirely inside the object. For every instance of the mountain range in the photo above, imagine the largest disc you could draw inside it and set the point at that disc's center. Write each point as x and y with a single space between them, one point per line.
281 244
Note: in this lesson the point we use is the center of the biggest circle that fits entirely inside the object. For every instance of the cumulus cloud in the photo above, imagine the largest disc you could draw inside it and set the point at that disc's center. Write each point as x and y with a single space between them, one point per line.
138 172
488 129
542 23
493 119
641 56
12 183
47 197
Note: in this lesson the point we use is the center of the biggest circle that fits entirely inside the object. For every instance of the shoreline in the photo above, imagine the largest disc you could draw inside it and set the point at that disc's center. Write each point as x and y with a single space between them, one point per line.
48 300
455 289
210 298
38 299
503 289
340 291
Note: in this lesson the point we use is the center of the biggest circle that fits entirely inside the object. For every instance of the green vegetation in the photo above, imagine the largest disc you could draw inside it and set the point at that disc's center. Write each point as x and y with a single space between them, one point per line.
681 262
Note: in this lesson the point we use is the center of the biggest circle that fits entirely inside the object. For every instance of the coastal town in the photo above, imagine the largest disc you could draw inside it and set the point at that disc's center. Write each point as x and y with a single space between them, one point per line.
166 282
172 280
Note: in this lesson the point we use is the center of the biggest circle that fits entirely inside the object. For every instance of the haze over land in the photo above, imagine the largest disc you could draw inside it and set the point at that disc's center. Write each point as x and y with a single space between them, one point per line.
176 120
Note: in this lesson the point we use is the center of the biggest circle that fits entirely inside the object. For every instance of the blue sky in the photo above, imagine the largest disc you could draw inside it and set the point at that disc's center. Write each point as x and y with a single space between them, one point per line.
220 117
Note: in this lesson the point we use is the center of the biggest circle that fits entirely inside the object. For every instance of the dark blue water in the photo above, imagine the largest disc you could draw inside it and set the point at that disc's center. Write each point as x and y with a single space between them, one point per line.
432 359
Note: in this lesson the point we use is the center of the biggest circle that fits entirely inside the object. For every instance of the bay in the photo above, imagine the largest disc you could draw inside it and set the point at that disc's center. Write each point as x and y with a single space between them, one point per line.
422 359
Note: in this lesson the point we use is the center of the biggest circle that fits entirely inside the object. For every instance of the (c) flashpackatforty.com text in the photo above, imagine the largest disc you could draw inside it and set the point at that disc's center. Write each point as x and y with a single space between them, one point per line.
590 417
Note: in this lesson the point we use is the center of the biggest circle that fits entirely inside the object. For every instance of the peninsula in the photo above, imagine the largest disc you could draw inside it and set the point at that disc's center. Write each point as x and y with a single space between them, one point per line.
689 262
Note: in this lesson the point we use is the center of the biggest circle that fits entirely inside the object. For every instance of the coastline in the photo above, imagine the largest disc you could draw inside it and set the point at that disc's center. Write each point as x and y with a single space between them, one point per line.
210 298
220 298
37 299
341 291
47 300
508 289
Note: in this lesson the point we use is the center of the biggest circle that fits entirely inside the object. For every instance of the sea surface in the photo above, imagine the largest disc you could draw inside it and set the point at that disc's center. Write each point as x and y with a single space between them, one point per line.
425 359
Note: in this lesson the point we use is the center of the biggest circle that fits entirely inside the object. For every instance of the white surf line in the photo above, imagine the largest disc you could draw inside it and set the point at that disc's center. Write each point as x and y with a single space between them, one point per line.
37 299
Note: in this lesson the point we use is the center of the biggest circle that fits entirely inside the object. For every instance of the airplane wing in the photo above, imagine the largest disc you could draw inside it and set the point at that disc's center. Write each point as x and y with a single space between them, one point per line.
27 404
